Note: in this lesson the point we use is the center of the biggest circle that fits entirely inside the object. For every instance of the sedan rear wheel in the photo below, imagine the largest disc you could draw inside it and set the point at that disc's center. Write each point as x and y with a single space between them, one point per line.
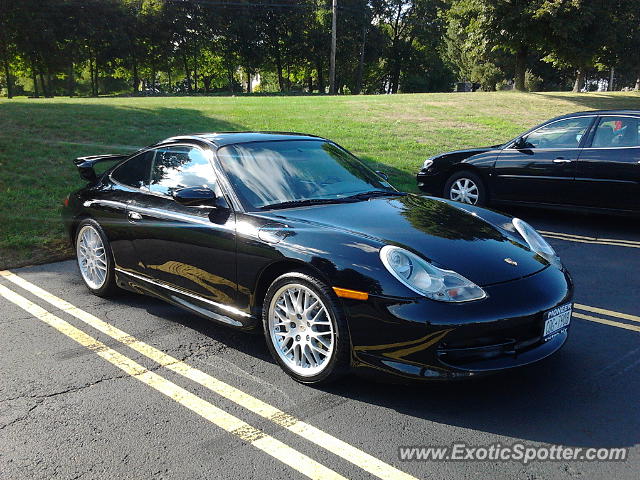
305 328
466 187
94 258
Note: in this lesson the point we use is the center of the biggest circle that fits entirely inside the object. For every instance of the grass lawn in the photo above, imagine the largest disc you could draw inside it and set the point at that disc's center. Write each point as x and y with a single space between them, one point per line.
395 133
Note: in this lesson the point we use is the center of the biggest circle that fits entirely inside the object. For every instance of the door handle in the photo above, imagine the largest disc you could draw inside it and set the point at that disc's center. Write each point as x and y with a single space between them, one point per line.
561 160
134 216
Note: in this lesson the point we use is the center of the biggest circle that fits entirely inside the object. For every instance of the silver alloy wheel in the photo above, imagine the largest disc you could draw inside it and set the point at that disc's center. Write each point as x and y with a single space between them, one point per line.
464 190
92 257
301 331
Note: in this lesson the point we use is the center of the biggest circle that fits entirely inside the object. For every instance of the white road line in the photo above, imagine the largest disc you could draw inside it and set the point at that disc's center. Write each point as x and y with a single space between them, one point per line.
271 446
325 440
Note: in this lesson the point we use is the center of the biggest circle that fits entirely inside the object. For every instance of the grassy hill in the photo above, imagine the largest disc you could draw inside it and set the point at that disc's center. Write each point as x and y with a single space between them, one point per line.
39 138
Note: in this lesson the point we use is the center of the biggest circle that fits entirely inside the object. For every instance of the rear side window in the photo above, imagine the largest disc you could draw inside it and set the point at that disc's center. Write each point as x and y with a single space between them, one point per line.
181 167
135 171
617 132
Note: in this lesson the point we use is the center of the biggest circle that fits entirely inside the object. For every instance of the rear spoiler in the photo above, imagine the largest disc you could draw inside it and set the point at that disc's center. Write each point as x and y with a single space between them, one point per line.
85 164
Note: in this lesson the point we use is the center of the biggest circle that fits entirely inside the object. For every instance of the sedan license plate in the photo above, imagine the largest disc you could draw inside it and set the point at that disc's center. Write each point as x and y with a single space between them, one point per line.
556 320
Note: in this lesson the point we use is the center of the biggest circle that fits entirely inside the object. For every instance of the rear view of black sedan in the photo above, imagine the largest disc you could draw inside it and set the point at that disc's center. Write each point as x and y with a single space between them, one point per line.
586 160
293 235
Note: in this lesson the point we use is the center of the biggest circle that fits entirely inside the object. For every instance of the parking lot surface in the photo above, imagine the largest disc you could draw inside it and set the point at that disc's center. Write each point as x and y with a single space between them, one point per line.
132 387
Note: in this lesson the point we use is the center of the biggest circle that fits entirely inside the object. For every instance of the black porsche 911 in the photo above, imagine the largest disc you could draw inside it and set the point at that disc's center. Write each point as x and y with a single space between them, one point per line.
292 234
586 160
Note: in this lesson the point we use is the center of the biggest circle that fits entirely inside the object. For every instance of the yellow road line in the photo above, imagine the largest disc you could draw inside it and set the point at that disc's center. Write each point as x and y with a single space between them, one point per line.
604 321
271 446
592 240
312 434
611 313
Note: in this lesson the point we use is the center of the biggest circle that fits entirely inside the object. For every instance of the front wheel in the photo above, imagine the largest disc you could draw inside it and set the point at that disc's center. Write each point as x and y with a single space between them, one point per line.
305 328
466 187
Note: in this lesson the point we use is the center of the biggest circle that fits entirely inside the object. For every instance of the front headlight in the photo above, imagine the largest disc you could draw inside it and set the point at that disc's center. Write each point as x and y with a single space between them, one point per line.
426 279
535 241
427 163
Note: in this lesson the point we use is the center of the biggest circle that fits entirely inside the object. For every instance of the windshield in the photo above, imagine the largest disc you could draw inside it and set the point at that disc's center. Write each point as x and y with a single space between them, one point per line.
270 173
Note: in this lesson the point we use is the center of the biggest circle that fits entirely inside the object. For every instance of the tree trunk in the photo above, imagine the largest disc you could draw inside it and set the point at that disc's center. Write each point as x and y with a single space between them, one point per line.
195 74
309 82
45 89
7 76
136 77
71 82
361 61
6 66
187 72
521 68
248 82
36 93
169 77
50 83
394 79
92 76
637 87
230 77
321 85
96 73
611 80
579 83
279 70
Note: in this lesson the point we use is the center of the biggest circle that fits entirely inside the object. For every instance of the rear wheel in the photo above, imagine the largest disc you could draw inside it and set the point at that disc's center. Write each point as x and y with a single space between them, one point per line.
305 328
466 187
94 259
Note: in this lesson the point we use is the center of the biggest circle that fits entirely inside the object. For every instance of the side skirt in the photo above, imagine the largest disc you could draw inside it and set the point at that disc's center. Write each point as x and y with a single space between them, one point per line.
217 312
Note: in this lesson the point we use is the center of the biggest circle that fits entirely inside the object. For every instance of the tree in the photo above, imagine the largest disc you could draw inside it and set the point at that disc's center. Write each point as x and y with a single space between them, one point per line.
575 32
510 26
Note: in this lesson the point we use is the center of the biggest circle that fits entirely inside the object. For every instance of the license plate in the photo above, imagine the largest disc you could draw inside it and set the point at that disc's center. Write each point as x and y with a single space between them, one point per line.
556 320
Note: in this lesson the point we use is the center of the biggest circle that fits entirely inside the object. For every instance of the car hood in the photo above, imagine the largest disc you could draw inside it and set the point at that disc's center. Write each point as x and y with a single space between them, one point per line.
468 152
448 236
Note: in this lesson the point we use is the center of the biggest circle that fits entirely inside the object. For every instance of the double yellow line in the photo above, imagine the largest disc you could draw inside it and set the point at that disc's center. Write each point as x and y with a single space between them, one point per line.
246 432
605 321
593 240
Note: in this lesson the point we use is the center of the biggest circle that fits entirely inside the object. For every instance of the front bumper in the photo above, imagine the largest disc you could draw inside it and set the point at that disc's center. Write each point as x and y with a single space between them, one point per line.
424 339
431 182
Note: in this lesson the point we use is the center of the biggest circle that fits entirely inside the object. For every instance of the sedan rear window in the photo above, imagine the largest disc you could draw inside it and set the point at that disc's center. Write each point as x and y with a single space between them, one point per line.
617 132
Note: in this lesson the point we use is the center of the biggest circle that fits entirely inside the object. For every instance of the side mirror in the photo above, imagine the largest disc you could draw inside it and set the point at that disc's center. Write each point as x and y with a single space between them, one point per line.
382 174
195 197
519 143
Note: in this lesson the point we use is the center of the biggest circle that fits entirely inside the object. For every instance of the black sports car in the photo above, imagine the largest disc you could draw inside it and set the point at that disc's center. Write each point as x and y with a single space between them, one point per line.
587 160
292 234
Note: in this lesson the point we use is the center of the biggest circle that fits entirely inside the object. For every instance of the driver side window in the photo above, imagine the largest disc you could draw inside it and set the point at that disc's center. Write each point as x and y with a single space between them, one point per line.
561 134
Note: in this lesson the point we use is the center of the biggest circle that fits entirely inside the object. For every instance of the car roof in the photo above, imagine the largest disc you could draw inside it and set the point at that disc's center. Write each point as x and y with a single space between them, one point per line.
220 139
600 112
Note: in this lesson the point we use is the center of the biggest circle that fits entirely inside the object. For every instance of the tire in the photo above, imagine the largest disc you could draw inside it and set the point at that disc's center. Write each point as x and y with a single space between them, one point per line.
96 268
475 192
287 327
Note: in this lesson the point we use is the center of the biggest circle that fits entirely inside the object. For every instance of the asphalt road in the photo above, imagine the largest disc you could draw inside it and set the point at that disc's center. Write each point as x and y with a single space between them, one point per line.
74 408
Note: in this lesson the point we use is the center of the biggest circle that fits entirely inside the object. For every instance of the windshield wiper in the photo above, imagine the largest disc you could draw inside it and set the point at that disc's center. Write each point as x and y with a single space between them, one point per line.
374 193
302 203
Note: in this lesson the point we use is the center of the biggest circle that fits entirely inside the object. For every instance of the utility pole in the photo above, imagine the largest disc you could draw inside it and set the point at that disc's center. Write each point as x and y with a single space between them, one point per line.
332 61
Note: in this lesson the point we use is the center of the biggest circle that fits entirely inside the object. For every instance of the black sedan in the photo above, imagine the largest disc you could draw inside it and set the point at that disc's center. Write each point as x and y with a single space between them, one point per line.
294 235
586 160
